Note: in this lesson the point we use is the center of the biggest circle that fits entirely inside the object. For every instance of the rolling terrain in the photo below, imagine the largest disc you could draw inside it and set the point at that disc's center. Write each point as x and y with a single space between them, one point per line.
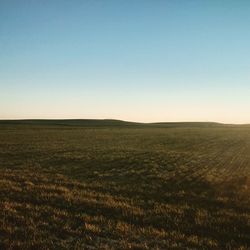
108 184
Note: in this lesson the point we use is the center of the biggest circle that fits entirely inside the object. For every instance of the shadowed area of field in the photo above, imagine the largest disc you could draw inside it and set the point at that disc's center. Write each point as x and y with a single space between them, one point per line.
90 184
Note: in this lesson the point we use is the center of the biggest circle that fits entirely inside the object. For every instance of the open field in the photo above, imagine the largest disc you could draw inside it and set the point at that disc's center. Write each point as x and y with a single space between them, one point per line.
115 185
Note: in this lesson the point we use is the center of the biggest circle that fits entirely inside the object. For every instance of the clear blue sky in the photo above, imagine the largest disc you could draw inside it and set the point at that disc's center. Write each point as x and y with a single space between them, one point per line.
133 60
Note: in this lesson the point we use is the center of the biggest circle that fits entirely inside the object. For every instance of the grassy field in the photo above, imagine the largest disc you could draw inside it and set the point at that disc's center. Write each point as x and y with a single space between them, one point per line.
114 185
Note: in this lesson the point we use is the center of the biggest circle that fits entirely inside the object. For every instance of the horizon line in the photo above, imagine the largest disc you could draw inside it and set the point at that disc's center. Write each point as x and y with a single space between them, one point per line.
113 119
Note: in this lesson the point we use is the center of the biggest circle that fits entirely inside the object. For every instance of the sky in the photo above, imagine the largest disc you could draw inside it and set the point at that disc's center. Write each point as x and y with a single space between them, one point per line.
136 60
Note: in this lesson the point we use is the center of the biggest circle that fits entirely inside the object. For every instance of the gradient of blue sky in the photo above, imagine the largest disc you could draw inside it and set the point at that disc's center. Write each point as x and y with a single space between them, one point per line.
139 60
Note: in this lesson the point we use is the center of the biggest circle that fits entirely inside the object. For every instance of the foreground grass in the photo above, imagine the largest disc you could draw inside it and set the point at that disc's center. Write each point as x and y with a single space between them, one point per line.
121 188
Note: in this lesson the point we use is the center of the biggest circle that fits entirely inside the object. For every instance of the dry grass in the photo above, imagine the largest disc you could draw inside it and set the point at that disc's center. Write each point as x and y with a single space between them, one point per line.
124 188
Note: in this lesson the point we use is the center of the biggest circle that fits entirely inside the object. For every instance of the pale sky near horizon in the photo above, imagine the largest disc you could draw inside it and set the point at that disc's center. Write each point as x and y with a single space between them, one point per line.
138 60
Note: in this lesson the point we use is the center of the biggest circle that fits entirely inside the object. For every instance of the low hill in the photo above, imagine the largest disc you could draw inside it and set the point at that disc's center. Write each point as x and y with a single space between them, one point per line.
104 123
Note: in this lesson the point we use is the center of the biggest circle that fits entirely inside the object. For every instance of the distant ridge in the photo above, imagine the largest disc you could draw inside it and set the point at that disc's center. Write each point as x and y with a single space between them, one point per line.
70 122
105 123
187 124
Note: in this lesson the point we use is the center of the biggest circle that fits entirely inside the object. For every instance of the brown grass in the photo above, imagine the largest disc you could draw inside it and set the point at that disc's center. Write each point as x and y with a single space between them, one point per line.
124 188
